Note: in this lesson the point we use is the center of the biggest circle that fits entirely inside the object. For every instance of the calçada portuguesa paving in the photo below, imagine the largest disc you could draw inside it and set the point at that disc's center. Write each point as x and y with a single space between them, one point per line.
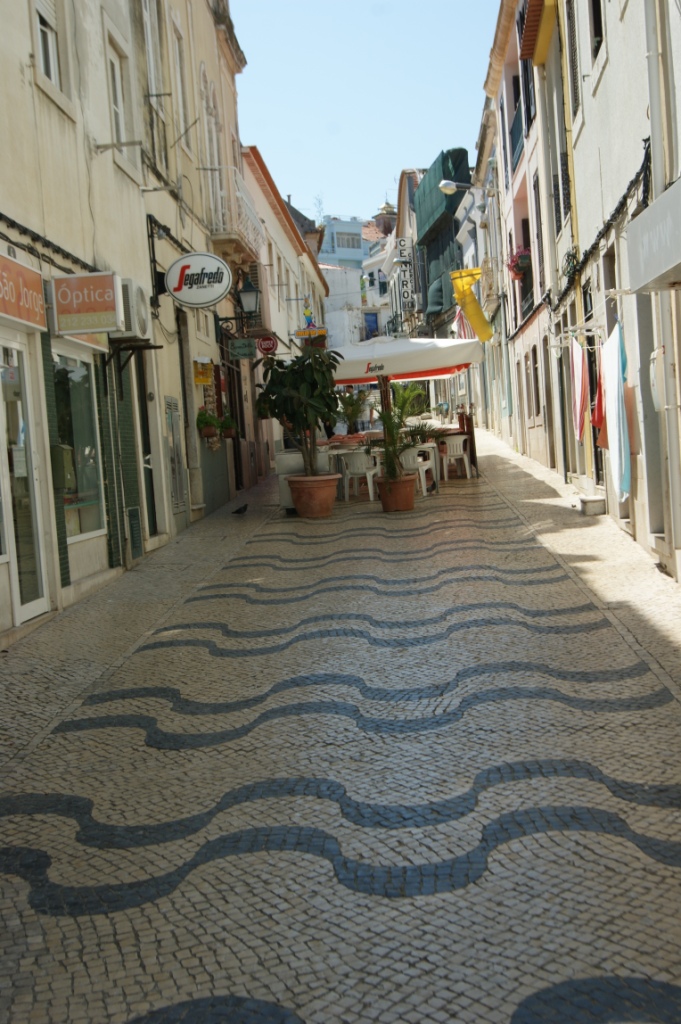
419 768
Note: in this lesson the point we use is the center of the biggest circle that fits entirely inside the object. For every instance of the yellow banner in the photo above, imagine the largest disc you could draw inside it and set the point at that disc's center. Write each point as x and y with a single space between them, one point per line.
462 282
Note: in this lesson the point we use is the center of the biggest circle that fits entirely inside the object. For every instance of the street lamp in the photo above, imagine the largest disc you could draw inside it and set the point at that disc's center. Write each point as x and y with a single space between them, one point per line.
450 187
247 310
249 298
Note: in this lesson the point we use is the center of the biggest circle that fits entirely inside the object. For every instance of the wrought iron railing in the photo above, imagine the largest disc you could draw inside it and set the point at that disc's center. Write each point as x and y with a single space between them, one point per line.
231 209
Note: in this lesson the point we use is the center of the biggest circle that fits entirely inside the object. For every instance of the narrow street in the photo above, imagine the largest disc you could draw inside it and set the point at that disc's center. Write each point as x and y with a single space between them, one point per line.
415 768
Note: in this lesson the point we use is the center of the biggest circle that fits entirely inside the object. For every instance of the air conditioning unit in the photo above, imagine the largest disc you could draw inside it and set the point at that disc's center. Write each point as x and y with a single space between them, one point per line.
135 312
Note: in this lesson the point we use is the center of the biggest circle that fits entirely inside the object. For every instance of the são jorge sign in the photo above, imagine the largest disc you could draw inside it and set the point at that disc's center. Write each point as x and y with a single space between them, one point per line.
198 279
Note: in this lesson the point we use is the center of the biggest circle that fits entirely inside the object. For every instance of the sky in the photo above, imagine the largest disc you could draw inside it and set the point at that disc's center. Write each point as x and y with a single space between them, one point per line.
340 96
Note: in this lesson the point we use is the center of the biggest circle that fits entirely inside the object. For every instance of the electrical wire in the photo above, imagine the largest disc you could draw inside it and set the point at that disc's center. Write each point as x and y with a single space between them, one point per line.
642 177
46 243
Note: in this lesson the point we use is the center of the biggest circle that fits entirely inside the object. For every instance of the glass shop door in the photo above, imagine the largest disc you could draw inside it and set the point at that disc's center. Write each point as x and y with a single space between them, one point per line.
20 527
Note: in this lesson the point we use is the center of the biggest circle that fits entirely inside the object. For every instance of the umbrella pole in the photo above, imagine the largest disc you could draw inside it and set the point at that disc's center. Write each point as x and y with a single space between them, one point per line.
385 393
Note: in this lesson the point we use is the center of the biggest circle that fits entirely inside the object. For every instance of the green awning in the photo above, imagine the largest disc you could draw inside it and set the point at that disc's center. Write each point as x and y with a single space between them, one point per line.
430 205
435 297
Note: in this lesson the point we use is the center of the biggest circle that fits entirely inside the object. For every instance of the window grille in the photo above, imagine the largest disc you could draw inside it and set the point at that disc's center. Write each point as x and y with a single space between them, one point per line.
540 240
573 54
565 182
557 214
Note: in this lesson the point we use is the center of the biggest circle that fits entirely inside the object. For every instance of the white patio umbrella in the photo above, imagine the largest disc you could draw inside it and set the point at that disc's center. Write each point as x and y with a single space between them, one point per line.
406 359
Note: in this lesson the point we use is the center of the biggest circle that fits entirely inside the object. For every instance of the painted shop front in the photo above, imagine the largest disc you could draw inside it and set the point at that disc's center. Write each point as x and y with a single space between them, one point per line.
68 460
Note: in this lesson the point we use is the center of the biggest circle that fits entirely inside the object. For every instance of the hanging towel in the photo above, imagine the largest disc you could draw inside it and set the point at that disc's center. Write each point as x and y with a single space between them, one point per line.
598 411
580 387
614 368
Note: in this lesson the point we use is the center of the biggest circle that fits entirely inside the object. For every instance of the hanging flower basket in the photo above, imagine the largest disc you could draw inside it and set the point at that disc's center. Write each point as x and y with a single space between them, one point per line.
518 262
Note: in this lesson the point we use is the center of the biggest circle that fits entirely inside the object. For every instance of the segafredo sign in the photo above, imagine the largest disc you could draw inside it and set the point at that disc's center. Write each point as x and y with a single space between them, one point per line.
198 279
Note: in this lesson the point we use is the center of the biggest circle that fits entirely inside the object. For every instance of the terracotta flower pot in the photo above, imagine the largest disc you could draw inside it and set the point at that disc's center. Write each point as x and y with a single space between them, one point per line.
229 432
314 496
397 495
209 431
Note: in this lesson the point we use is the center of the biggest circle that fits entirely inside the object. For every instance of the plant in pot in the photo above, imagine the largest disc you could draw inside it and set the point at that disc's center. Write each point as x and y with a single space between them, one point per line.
227 426
396 488
352 405
207 424
301 395
518 262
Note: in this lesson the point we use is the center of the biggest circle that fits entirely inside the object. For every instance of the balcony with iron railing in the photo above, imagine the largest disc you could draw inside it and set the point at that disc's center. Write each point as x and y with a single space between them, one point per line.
517 137
232 217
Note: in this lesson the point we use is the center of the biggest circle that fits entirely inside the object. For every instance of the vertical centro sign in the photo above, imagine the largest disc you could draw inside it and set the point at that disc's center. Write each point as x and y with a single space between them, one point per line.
405 254
198 279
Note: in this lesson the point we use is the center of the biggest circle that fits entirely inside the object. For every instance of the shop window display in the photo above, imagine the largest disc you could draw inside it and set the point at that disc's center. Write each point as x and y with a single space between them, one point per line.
75 459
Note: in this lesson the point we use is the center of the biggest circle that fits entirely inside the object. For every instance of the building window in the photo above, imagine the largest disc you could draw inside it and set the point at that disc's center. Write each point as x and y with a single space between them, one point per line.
76 464
344 240
535 381
181 87
155 84
49 42
596 27
151 40
116 93
216 190
539 232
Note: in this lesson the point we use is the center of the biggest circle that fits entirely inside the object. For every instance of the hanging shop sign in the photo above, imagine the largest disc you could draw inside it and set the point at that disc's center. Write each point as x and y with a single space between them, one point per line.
21 293
241 348
88 303
267 346
405 257
198 279
203 371
313 337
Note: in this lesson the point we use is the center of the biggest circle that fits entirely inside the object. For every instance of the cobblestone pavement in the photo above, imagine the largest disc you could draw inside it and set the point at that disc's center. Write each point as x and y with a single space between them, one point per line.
419 768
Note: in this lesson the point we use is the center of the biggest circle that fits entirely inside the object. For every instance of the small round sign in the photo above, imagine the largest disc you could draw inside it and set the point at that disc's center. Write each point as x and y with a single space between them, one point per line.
198 279
267 346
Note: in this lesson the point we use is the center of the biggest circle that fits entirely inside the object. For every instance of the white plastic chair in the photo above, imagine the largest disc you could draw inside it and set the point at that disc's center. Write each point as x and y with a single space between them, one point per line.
357 466
457 448
416 461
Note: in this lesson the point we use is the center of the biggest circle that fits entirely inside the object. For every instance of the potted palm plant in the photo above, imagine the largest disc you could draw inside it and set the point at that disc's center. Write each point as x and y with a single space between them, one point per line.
301 395
352 406
395 487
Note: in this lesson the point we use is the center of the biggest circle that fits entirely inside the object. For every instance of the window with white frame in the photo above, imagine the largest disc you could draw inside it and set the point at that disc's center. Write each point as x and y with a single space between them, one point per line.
596 26
48 40
181 87
119 84
77 463
155 91
153 51
116 97
345 240
216 188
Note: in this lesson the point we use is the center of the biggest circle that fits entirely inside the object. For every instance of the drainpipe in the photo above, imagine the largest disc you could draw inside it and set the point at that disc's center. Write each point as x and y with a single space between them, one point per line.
552 282
665 322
